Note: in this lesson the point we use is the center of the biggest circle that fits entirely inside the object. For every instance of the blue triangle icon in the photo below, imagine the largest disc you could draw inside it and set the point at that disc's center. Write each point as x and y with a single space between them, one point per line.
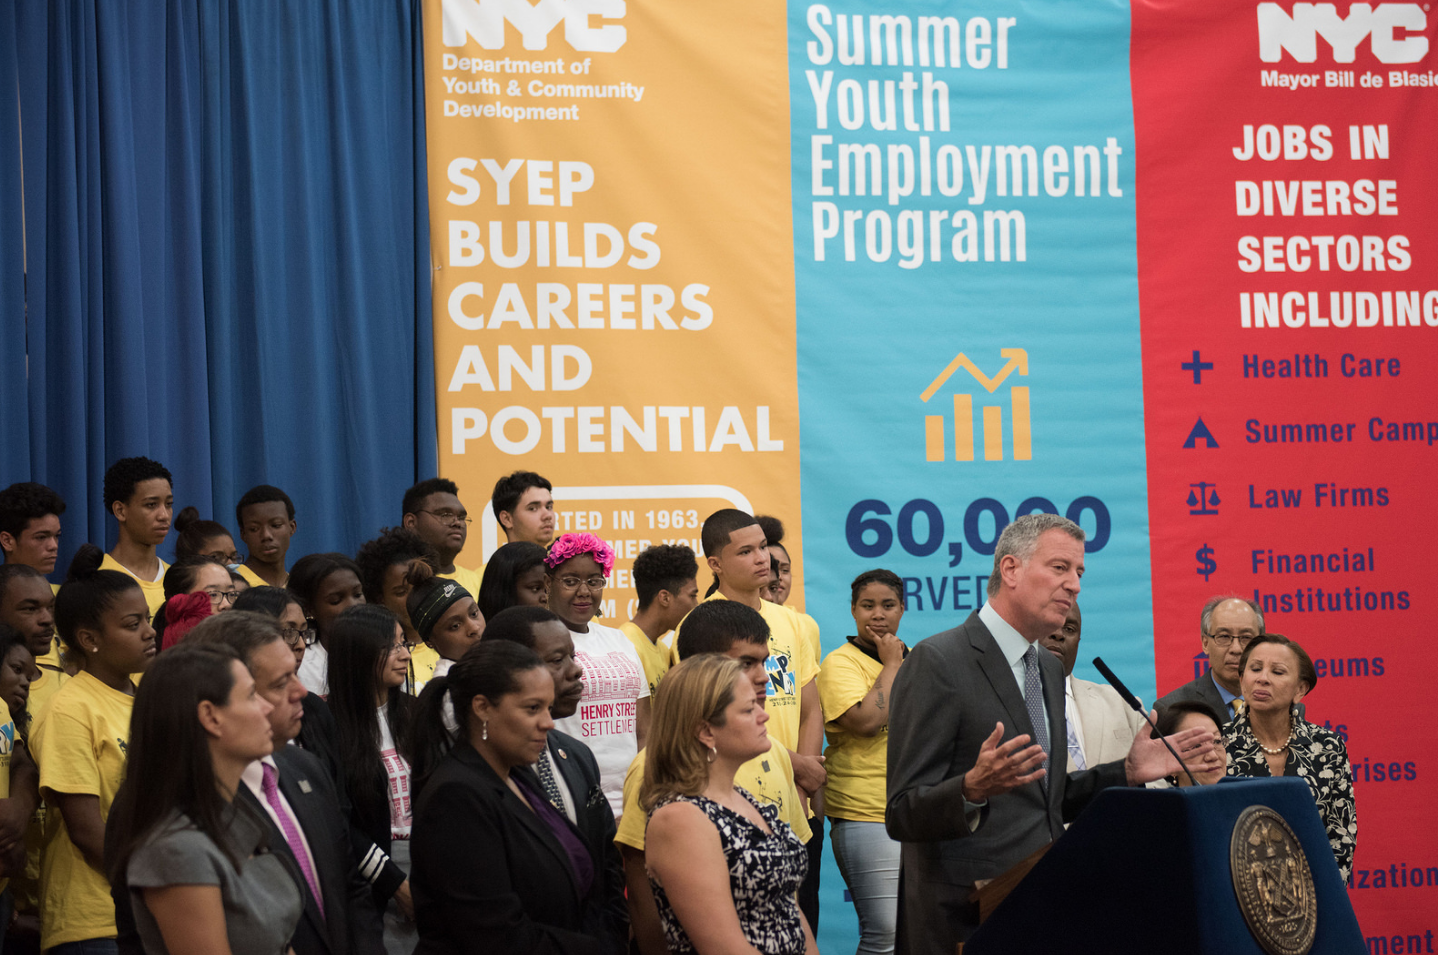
1199 433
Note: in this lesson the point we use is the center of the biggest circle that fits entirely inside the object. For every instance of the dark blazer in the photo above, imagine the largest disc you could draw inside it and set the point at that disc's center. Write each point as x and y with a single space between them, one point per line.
952 689
350 922
1204 690
487 874
609 919
318 735
369 833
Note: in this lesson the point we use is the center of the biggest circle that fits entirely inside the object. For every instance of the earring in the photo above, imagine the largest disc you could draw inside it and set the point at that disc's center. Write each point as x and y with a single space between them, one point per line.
712 753
484 729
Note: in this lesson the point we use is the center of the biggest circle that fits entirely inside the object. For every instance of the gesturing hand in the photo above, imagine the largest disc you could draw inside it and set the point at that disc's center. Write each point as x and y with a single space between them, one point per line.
1001 768
1148 759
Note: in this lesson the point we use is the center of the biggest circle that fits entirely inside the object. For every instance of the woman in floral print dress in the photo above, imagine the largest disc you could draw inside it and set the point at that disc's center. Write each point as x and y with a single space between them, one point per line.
1268 738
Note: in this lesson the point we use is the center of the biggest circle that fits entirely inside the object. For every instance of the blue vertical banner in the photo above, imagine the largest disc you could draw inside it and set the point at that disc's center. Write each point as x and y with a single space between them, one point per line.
967 304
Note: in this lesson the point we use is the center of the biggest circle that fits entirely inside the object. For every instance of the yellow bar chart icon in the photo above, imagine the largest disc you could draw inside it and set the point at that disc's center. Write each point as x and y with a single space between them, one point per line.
936 428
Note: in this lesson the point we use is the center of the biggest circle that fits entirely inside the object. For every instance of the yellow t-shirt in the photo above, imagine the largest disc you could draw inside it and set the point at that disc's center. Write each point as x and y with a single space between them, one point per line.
809 627
254 579
423 658
857 765
768 778
47 684
654 656
7 746
26 888
791 667
154 589
80 743
468 579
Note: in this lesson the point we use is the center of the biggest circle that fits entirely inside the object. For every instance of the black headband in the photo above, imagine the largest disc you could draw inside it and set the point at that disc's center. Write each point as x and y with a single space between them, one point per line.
432 605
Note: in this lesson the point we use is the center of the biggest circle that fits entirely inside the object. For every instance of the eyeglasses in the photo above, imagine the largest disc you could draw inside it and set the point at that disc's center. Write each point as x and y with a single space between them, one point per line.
218 597
1223 638
572 583
230 558
451 518
295 639
399 645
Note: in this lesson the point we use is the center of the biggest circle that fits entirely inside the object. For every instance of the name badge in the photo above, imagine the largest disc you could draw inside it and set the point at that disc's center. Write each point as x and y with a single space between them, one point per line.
305 786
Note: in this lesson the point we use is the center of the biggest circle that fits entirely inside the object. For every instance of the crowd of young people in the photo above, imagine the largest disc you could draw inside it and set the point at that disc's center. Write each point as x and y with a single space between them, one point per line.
394 753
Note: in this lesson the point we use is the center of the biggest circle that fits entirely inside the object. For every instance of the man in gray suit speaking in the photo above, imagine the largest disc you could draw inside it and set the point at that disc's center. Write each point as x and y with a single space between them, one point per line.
976 713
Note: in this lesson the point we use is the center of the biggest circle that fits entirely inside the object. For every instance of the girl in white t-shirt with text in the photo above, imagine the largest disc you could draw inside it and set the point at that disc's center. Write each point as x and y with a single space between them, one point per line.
613 714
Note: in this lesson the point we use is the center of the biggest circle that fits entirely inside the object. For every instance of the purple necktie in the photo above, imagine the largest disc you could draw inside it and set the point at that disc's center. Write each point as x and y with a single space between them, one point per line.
292 833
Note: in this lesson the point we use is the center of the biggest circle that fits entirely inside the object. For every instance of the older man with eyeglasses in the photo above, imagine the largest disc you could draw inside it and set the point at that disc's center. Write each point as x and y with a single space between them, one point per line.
1226 625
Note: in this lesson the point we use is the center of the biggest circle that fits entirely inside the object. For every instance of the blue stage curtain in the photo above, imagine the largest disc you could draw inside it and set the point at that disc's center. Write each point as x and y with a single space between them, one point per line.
225 215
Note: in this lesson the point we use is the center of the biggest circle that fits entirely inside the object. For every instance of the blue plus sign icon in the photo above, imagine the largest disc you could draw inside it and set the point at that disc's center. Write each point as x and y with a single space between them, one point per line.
1198 366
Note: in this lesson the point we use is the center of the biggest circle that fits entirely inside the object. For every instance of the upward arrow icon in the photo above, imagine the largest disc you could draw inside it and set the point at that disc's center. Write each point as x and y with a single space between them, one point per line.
1018 359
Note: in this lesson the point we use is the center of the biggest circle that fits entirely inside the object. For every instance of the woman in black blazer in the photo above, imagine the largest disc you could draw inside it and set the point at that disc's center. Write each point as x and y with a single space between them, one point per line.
495 868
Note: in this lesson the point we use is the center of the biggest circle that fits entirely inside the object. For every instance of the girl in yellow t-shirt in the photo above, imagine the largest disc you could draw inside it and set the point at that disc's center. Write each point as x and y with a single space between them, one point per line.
80 742
854 686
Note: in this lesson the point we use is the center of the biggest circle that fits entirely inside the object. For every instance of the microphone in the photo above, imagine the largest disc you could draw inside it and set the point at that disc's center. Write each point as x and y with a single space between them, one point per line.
1132 701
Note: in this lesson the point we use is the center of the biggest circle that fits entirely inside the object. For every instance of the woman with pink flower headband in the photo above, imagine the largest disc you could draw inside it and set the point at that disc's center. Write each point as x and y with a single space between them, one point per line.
613 714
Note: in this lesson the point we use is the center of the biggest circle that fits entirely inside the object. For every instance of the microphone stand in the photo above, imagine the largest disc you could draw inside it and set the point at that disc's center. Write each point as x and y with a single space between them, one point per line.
1132 701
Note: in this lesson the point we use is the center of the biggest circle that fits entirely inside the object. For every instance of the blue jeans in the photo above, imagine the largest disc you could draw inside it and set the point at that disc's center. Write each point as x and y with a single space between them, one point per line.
89 946
869 861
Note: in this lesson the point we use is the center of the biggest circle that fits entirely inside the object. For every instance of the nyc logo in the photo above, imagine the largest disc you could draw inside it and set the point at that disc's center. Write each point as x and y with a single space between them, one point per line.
485 21
936 427
1393 31
781 678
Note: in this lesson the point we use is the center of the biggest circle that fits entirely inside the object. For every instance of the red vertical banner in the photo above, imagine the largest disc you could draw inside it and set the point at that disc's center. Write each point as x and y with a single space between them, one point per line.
1287 218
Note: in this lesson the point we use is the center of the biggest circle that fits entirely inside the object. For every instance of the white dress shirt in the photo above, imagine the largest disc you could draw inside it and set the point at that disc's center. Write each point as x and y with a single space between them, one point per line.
1013 645
1072 715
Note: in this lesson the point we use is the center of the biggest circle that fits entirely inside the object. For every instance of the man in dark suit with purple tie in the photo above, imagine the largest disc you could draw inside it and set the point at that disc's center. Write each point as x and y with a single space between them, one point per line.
291 789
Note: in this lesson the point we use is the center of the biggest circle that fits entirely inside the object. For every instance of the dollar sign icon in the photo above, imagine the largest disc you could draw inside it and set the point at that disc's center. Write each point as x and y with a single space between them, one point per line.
1206 564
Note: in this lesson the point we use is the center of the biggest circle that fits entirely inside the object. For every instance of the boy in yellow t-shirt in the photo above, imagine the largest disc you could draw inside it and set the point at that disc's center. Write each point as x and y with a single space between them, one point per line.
140 494
266 517
80 743
781 580
28 604
738 632
30 525
665 580
432 509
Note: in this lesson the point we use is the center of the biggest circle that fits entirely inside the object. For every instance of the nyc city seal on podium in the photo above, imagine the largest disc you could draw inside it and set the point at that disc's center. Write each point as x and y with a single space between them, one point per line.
1273 882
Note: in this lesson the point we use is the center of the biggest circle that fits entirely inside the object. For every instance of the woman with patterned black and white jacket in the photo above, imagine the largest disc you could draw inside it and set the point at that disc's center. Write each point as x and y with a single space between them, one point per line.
1269 738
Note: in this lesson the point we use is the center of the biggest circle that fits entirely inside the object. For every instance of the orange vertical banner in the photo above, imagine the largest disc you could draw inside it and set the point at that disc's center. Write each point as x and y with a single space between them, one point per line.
611 231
